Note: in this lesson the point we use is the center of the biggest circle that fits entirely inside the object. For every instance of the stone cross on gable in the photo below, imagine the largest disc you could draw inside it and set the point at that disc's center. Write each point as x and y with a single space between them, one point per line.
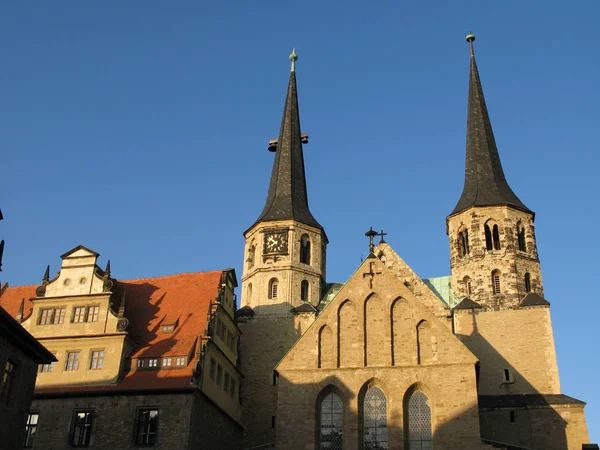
371 274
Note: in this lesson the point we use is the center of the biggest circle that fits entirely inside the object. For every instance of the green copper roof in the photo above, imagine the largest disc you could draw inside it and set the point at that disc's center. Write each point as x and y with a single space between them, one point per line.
442 287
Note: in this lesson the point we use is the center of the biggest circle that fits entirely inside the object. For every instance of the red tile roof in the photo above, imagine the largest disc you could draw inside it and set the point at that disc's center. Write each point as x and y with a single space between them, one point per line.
150 303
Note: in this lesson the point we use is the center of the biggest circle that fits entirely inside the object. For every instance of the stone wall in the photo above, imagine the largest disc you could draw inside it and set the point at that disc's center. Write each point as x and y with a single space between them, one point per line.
548 427
114 420
479 263
520 340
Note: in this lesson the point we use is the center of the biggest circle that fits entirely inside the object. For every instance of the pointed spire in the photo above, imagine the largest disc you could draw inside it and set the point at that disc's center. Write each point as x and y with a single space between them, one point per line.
485 183
107 270
21 308
287 197
46 278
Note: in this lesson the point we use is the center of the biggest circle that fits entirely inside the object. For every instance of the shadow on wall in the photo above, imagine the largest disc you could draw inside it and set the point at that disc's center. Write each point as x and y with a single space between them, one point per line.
267 335
526 420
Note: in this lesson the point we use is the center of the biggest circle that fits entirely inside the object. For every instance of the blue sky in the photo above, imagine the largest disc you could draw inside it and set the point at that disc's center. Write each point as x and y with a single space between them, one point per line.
140 130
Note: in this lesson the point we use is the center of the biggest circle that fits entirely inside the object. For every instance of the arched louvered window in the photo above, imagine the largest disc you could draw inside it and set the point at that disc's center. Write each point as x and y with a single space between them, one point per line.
305 249
419 422
496 237
488 237
467 286
527 282
521 237
496 288
304 291
273 288
375 435
331 418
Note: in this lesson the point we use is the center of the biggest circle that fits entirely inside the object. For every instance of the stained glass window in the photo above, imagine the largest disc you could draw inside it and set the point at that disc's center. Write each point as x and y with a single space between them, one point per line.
375 420
332 411
419 422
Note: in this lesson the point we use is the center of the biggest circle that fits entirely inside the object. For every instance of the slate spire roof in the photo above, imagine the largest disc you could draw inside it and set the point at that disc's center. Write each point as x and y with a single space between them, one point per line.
287 197
485 183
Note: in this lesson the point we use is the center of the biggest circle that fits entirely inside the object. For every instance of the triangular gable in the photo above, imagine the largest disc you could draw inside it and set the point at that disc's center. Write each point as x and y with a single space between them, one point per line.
78 252
411 280
375 320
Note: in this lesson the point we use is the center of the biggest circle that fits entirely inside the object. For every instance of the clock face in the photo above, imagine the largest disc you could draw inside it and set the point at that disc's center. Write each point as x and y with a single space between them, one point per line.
276 242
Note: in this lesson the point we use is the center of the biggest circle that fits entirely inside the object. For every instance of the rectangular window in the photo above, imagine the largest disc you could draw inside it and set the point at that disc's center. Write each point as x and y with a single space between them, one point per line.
213 365
79 314
97 359
166 362
47 367
226 383
140 363
153 362
72 361
146 427
31 429
180 361
59 315
219 374
232 388
93 313
8 380
218 327
46 316
82 428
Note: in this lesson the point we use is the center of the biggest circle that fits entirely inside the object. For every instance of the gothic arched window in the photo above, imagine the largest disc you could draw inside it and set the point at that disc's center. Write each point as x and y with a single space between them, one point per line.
304 291
496 237
305 249
273 288
467 286
488 237
463 242
331 421
521 237
375 436
527 282
418 432
496 288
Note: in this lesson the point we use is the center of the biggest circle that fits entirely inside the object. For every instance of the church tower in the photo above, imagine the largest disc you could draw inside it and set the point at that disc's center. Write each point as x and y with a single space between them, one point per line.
493 252
283 276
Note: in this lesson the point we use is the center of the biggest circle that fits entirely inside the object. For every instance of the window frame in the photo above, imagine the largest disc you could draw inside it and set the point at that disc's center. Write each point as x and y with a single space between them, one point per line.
8 384
273 288
85 439
496 282
319 422
29 439
75 361
92 313
219 377
147 423
99 358
79 314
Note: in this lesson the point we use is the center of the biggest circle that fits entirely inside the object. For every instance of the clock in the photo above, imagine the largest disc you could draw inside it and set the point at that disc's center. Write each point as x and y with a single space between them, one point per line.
276 241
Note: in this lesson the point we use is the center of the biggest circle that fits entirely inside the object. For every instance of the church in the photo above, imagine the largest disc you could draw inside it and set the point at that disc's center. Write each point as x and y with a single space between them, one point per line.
388 360
385 360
